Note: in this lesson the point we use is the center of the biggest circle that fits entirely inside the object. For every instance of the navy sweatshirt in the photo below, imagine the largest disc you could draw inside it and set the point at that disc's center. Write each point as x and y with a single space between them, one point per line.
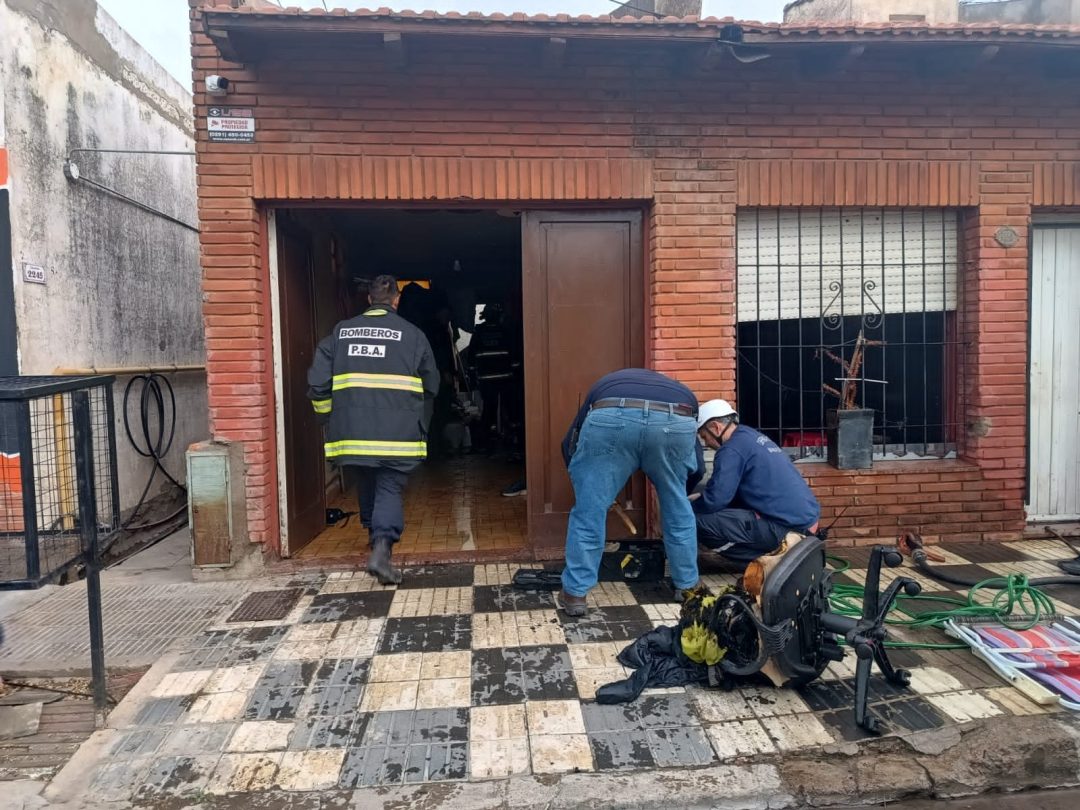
751 472
635 383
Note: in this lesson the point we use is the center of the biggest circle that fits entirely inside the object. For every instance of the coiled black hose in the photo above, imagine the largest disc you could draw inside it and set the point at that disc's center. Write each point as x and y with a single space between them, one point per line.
998 583
158 429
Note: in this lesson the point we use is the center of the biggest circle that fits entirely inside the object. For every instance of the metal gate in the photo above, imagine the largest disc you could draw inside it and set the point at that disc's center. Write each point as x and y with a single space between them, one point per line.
1054 435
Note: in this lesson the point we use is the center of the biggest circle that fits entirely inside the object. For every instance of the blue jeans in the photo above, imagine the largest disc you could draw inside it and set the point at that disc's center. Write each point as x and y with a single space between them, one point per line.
612 445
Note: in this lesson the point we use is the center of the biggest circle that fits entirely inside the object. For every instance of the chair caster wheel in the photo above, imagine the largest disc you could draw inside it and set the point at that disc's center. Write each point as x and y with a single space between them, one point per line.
902 677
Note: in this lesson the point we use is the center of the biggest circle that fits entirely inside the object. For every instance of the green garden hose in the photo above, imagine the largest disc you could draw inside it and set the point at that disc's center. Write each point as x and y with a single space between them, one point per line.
1017 603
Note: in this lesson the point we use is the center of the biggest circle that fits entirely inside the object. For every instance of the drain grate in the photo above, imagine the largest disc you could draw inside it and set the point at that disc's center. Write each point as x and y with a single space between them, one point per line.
264 606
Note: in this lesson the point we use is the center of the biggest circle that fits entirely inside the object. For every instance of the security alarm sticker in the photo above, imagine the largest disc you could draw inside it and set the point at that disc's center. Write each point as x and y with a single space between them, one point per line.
231 125
369 332
367 350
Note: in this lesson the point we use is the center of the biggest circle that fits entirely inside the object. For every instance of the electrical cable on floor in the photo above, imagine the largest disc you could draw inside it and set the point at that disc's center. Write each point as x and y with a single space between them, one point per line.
156 442
1070 567
1018 603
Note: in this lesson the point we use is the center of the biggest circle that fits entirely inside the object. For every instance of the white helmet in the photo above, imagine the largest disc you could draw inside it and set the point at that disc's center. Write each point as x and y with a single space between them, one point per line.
714 409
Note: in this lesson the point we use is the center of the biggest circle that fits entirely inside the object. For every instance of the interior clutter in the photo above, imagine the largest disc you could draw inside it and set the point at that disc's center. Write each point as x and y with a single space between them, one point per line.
459 273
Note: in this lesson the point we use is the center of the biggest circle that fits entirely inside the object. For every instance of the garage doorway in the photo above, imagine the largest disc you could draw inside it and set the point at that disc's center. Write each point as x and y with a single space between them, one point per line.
524 311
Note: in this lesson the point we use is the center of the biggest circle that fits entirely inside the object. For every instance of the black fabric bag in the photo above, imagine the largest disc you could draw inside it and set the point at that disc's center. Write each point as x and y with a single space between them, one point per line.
658 661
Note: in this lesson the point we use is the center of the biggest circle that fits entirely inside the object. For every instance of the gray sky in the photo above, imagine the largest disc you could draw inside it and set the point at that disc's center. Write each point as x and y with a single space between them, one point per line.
161 26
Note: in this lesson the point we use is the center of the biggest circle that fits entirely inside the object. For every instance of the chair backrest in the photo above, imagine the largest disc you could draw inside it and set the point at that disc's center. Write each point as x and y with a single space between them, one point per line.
797 588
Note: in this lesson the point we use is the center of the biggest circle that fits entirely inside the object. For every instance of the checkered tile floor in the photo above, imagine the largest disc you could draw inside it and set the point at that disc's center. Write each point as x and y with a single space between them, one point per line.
455 675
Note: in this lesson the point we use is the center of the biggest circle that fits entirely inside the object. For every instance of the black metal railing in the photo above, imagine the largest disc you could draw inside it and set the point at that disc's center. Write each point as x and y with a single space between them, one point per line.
59 498
810 283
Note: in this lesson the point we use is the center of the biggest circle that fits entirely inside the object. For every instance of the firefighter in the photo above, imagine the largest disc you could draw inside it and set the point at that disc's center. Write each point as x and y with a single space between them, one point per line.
374 382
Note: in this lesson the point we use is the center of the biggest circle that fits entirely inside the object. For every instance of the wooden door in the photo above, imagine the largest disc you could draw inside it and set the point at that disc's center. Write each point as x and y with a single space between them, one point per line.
304 467
583 318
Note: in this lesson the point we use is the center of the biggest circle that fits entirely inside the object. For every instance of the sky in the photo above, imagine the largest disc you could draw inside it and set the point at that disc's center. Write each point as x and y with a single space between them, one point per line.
161 26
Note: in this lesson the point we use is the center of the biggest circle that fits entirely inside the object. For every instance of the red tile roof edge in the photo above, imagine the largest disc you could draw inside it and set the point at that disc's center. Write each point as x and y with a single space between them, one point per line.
905 30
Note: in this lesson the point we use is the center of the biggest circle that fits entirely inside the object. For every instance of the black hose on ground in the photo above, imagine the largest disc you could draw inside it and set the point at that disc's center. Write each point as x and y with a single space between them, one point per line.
919 558
157 437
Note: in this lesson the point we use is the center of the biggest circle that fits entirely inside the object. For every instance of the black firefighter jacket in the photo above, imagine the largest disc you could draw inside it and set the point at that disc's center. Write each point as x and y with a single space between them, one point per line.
370 381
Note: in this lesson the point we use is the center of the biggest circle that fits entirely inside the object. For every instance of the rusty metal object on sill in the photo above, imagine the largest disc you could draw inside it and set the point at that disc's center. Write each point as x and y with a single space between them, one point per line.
909 542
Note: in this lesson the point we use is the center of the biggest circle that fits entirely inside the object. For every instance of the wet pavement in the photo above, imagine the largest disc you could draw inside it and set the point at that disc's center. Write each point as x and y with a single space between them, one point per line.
455 677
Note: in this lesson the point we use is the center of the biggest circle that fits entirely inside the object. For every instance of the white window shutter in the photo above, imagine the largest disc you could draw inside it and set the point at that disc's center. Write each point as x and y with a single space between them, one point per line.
810 263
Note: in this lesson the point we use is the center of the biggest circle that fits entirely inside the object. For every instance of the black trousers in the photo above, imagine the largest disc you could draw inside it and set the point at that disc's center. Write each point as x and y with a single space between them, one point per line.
380 491
739 534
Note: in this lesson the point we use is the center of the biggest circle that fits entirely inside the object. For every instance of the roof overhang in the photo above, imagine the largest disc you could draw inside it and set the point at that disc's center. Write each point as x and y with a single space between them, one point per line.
243 34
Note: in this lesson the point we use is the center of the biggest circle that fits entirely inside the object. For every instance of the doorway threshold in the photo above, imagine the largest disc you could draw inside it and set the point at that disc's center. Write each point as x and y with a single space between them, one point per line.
454 512
357 560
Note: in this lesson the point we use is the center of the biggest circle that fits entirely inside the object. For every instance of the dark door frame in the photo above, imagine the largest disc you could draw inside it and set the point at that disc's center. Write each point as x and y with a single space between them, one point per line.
585 210
281 224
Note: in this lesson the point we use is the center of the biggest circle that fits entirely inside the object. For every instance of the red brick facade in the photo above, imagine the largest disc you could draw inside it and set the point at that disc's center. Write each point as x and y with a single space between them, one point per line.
490 120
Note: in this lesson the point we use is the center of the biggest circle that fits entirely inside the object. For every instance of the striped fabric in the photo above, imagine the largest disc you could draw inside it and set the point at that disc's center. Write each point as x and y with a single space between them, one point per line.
321 405
391 382
1049 655
384 449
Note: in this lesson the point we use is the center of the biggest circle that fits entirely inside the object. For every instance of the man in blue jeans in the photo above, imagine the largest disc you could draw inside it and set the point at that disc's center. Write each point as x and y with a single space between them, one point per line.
631 420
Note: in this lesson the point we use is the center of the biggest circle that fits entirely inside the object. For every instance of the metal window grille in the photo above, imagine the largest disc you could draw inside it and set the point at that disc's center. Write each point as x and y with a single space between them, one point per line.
809 281
43 529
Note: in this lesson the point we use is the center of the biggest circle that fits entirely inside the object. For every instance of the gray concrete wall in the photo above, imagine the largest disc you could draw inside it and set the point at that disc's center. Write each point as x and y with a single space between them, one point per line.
1035 12
864 11
1038 12
812 10
123 284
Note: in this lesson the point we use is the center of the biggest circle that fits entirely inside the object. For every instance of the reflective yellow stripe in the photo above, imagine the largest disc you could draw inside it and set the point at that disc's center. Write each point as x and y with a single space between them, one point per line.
350 447
321 405
375 312
393 382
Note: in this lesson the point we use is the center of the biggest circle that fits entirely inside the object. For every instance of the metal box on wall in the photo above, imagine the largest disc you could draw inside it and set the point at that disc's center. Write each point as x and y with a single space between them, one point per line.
217 513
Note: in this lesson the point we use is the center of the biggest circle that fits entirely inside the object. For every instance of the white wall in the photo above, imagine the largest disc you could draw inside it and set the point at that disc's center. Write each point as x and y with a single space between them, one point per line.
1037 12
123 284
862 11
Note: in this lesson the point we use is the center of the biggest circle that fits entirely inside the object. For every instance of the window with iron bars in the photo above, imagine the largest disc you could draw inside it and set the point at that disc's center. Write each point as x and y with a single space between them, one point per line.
810 282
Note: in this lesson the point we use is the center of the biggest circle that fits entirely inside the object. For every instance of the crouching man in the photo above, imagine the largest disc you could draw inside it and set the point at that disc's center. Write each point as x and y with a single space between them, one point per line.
755 495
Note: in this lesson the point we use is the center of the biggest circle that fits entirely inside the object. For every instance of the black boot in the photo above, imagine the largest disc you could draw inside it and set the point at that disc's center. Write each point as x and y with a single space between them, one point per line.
378 563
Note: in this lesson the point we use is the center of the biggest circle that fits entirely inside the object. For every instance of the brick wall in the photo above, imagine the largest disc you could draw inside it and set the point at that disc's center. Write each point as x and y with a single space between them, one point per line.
488 121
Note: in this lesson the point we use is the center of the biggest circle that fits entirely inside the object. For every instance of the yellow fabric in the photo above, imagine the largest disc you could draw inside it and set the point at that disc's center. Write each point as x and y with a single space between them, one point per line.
698 643
394 382
321 405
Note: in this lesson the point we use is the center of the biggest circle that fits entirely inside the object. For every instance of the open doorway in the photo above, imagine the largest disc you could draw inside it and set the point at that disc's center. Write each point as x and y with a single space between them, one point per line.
525 310
460 272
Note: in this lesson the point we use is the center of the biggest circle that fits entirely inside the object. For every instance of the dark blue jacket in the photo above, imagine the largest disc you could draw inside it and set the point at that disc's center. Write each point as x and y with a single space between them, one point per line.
751 472
635 383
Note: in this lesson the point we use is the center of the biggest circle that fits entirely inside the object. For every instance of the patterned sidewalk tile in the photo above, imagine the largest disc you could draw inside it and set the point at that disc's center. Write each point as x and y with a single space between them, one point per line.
457 675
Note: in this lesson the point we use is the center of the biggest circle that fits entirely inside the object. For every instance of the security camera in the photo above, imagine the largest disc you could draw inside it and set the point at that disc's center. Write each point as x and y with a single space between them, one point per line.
217 85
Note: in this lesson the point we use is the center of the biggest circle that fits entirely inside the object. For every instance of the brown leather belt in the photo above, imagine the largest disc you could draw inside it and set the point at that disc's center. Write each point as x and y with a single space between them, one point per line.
676 409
